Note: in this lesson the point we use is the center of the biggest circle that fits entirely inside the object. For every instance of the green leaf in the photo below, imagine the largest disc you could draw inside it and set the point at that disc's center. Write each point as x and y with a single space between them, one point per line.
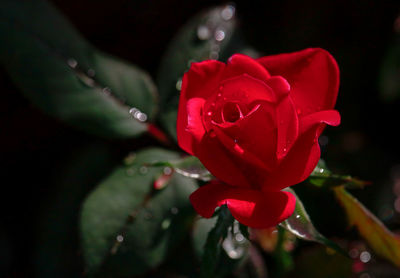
189 166
299 224
62 74
323 177
380 239
204 37
127 227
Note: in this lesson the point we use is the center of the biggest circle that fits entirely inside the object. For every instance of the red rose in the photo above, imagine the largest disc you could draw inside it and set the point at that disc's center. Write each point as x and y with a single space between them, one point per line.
255 124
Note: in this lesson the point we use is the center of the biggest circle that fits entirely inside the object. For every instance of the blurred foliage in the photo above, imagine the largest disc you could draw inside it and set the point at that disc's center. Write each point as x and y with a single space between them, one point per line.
68 78
127 226
381 240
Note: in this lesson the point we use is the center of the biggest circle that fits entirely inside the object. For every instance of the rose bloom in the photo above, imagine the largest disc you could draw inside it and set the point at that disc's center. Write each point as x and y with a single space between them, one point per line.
254 124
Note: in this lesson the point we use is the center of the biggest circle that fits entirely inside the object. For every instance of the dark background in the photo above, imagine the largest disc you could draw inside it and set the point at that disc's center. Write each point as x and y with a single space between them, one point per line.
35 147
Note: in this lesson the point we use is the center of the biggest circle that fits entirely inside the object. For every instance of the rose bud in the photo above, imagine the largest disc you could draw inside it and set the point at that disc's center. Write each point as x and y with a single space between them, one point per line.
254 124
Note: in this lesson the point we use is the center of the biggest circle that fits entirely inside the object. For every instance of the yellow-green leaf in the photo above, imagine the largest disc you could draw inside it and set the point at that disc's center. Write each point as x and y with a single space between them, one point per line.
380 239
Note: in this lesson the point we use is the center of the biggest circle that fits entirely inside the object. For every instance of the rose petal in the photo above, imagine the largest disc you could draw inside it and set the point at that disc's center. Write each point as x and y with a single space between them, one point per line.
252 139
305 153
280 85
252 208
219 161
200 81
239 64
330 117
288 127
313 76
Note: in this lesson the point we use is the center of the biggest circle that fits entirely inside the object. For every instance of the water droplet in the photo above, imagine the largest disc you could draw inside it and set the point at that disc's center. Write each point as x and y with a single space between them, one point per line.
228 12
130 158
167 170
239 237
298 216
130 171
284 150
203 33
72 63
174 210
91 72
321 170
179 84
219 35
166 223
137 114
120 238
107 91
143 170
365 257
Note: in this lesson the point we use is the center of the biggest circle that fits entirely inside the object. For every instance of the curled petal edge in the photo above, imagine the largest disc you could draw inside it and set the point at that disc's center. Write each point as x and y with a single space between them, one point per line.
252 208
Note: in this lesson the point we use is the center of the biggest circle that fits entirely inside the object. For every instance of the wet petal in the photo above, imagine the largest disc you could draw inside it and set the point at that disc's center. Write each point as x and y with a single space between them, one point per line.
288 127
200 81
252 138
313 76
250 207
239 64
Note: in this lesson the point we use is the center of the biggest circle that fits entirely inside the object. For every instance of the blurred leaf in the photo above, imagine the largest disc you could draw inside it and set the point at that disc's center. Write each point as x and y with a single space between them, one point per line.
380 239
389 81
66 77
189 166
204 37
57 231
127 228
299 224
323 177
317 261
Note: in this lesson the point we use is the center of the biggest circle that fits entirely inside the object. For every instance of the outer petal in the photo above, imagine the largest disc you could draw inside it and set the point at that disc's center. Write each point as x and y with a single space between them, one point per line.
305 153
199 82
239 64
250 207
312 74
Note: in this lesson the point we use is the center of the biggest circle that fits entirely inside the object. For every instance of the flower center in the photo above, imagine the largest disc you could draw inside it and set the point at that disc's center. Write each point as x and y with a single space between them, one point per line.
231 112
